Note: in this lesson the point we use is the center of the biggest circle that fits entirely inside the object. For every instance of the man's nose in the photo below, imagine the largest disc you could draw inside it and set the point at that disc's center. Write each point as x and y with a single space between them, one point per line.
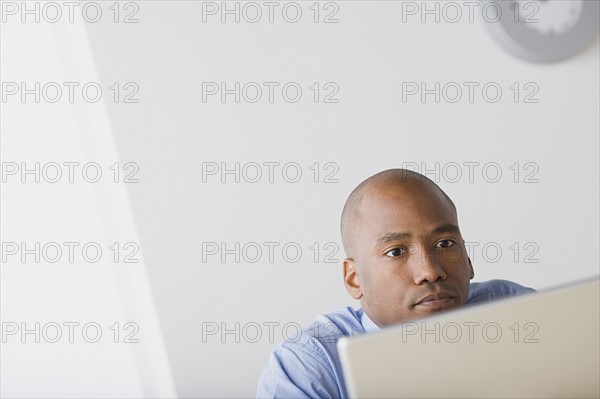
426 267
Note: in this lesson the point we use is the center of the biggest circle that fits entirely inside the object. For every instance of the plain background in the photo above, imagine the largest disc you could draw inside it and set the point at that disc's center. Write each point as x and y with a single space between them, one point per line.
173 293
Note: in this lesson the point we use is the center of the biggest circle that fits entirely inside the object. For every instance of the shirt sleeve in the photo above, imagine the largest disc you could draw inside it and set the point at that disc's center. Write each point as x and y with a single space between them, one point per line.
297 372
495 289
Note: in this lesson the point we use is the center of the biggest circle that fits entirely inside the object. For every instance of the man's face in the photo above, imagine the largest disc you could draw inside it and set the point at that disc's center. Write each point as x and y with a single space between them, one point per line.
410 260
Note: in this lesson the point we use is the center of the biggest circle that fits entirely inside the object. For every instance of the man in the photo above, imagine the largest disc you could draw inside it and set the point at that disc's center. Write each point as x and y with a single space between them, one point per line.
406 259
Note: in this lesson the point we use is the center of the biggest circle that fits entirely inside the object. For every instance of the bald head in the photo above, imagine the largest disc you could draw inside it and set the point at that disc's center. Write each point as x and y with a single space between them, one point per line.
403 243
410 182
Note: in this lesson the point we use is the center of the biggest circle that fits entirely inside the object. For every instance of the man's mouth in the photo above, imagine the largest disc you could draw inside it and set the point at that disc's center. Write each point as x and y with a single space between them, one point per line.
436 300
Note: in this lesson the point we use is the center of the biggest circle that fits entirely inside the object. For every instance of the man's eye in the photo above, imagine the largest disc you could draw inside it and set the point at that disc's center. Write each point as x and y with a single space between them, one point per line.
445 244
395 252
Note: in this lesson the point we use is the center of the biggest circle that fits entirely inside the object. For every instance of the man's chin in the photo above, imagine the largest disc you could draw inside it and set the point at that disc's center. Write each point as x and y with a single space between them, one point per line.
433 307
423 311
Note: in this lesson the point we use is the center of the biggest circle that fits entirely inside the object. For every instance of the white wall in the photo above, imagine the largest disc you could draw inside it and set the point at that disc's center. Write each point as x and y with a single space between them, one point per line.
171 132
70 306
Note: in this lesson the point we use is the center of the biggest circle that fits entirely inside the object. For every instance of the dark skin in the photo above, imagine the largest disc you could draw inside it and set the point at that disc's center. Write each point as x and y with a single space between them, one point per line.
407 259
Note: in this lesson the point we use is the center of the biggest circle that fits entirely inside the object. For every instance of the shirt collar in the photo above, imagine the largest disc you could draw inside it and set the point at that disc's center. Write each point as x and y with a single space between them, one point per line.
368 324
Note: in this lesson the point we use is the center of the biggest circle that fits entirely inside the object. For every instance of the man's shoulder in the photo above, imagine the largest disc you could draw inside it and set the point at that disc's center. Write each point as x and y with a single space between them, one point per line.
326 330
495 289
309 355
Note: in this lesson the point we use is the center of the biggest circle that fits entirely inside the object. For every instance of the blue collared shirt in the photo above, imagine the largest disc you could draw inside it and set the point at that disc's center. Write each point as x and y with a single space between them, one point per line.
308 365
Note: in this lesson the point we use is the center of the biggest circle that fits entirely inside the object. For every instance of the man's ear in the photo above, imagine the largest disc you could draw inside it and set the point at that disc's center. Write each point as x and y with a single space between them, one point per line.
351 279
471 266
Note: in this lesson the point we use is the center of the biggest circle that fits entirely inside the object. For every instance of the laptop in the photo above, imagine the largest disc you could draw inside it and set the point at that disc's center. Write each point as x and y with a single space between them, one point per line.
540 345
